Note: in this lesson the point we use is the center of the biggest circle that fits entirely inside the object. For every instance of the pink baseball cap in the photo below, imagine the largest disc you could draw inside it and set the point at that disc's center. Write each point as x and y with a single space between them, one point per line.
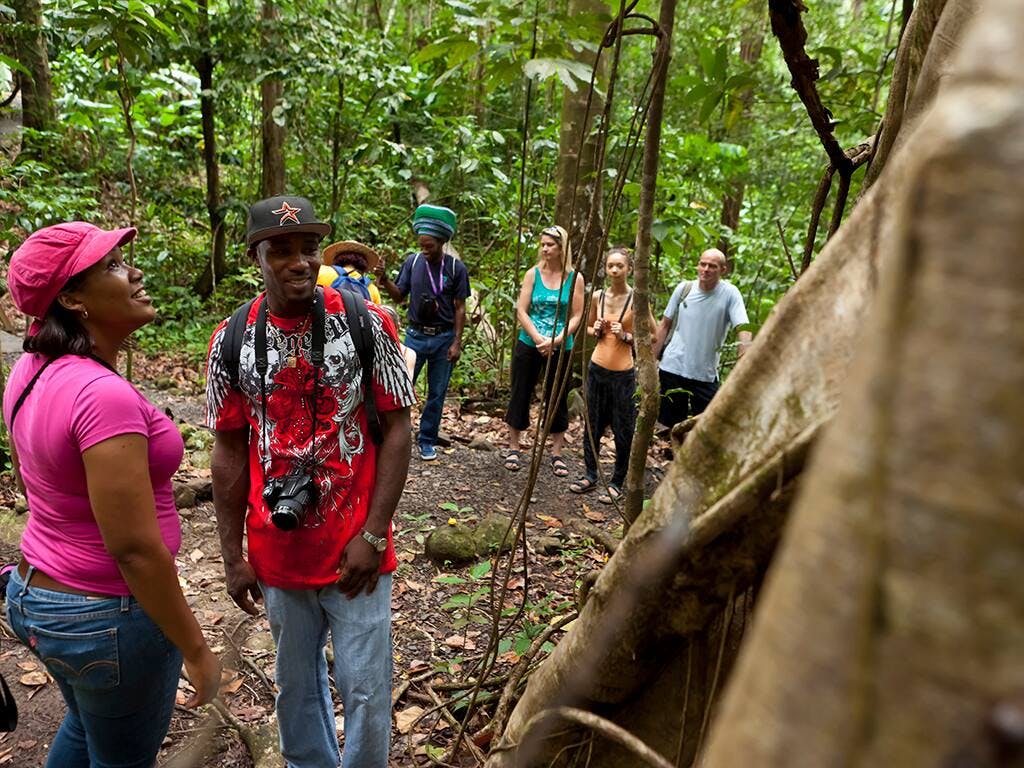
53 255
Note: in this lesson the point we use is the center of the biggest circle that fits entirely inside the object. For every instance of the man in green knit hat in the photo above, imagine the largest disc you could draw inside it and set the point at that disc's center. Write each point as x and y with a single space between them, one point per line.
437 285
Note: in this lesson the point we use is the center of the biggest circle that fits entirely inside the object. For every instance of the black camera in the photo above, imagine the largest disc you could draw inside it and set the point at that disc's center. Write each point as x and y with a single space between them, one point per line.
290 498
428 310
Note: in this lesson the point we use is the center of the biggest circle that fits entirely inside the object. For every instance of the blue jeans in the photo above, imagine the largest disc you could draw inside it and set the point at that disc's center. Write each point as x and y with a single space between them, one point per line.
361 635
117 671
433 352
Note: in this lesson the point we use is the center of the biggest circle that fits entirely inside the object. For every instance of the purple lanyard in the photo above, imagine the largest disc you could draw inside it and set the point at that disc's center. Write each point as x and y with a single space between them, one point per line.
440 276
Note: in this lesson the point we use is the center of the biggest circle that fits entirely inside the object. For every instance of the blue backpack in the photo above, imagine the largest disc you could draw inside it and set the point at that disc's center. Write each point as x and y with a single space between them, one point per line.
346 282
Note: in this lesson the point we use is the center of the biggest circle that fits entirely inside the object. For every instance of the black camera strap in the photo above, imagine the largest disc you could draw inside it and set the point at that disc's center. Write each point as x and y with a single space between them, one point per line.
316 358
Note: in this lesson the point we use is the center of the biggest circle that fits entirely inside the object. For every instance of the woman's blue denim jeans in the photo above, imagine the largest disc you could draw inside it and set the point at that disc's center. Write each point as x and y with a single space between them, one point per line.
361 634
117 671
431 351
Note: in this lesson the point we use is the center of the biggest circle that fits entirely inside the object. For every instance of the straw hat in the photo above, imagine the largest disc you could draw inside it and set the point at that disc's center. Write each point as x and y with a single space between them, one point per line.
350 246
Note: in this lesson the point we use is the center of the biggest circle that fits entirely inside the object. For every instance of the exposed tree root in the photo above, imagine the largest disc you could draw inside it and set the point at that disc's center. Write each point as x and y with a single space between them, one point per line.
606 727
262 742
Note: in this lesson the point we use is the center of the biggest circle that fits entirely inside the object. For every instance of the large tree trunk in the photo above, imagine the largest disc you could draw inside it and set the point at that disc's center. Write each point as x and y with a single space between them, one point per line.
272 175
893 623
28 45
216 267
654 641
578 144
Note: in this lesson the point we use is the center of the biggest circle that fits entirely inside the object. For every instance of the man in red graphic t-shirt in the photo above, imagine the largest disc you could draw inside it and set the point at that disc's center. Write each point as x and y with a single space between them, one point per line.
295 467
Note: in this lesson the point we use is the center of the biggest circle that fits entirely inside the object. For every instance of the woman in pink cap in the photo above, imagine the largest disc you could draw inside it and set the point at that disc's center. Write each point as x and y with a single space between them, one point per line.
96 594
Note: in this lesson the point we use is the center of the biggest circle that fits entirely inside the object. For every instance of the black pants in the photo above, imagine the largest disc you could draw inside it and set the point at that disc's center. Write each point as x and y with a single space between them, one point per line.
689 398
610 403
527 366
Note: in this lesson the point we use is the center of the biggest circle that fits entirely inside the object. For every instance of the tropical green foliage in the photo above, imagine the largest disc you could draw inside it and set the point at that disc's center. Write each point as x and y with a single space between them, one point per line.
381 97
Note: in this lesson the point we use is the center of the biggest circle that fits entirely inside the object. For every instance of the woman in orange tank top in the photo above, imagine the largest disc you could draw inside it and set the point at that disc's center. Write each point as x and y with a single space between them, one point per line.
611 378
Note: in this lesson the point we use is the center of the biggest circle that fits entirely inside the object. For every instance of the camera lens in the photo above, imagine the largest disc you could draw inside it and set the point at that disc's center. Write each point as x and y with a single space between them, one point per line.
285 517
291 499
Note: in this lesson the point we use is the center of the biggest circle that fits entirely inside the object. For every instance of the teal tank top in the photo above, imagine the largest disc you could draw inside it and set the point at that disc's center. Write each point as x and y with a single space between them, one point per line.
545 311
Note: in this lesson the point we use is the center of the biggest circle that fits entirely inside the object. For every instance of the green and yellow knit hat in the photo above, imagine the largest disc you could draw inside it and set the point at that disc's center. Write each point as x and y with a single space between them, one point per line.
434 220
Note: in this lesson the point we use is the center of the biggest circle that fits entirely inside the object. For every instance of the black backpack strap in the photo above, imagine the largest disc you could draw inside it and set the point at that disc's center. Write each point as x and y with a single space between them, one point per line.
625 306
360 325
231 346
24 393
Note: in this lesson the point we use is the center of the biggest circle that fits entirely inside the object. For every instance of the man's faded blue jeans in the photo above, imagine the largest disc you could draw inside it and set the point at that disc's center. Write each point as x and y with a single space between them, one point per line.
361 635
432 351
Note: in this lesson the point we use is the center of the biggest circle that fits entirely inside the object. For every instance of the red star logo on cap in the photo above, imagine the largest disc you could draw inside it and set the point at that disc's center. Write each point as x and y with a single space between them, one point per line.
287 214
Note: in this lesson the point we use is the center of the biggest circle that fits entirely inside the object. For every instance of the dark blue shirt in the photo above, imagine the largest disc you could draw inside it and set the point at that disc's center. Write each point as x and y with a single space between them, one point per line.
451 278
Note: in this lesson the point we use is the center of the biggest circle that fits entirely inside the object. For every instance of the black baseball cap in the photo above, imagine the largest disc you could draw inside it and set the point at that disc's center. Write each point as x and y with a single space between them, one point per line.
282 215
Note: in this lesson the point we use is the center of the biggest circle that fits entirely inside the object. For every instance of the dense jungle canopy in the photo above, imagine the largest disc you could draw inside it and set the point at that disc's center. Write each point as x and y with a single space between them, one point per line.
363 106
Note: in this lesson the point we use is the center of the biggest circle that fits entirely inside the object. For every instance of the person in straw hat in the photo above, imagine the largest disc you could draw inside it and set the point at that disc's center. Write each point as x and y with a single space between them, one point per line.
349 264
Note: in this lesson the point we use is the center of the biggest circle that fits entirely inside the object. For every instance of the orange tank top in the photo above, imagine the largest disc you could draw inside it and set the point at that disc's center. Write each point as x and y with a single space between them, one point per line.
611 353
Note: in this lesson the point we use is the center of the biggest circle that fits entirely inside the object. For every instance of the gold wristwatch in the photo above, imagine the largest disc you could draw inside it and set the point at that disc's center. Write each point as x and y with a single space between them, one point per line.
379 543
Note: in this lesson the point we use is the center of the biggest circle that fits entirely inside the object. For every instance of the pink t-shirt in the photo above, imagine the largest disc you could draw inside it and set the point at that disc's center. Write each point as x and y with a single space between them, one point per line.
76 404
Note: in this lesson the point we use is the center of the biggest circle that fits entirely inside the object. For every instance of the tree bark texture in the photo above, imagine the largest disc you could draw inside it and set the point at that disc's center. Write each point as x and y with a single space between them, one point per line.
216 267
272 181
28 46
891 631
713 524
923 57
577 143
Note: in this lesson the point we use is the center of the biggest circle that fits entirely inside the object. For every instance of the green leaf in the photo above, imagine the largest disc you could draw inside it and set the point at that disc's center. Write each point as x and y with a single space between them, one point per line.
567 70
707 61
697 93
457 601
709 105
430 52
480 570
7 61
449 580
739 82
720 63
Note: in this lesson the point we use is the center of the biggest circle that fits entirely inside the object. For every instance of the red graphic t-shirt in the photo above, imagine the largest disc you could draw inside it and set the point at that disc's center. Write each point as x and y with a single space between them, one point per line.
338 453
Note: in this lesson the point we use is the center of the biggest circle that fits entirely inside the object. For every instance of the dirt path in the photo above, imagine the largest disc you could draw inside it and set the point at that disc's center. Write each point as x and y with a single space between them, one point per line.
434 640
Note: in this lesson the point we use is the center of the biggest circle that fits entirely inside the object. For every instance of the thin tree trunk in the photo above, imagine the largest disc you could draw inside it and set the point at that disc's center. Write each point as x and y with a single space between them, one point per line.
28 46
578 143
336 143
272 179
216 267
647 367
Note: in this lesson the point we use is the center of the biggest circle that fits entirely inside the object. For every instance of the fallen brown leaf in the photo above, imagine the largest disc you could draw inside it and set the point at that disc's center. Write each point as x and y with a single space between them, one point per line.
33 679
404 720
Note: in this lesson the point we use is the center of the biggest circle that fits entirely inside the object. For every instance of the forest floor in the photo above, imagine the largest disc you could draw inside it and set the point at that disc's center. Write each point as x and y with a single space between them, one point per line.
438 640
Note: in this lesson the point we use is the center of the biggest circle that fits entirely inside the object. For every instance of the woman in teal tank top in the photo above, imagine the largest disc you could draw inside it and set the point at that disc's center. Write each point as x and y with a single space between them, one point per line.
549 310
